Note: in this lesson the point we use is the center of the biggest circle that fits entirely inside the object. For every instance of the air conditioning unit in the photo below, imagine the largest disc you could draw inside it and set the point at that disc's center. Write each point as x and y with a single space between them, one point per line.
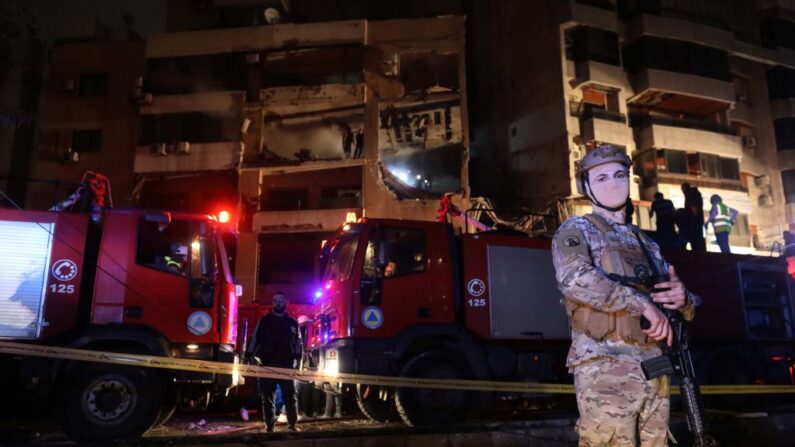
69 85
182 147
252 58
749 141
145 98
391 64
158 150
765 200
762 181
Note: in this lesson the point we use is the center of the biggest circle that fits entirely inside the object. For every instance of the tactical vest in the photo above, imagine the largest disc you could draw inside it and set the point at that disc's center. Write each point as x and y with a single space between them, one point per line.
618 260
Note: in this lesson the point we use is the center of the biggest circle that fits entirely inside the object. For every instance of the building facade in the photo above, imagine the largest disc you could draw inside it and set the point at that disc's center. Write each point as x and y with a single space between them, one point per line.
309 125
89 117
696 92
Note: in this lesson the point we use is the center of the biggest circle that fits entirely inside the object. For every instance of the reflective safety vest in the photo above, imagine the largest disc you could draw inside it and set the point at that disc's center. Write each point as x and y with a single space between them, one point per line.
172 263
723 219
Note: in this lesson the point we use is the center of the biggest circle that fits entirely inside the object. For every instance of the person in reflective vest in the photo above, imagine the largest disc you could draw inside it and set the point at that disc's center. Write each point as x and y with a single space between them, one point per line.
722 218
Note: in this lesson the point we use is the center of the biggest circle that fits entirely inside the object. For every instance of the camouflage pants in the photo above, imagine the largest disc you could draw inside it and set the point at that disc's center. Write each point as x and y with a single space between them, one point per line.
617 405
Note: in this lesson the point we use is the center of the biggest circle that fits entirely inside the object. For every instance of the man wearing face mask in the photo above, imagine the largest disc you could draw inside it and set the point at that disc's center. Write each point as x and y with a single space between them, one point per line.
598 259
277 342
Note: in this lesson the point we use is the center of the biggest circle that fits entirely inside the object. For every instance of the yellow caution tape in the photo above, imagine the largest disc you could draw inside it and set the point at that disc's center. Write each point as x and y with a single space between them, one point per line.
205 366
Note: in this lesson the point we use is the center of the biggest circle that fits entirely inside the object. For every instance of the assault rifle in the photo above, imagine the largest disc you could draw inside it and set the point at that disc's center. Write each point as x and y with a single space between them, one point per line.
675 359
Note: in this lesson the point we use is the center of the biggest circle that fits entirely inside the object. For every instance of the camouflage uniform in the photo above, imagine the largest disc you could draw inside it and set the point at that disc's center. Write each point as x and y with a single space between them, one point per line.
615 401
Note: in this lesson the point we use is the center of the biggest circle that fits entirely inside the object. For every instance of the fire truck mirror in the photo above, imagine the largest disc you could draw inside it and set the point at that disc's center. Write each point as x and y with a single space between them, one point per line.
203 263
160 218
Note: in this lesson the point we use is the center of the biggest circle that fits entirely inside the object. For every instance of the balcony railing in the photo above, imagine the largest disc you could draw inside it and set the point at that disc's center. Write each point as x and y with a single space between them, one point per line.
673 122
602 114
601 4
309 204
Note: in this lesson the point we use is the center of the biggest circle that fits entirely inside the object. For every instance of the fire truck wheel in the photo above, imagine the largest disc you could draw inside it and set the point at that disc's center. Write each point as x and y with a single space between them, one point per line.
377 406
420 406
169 407
101 402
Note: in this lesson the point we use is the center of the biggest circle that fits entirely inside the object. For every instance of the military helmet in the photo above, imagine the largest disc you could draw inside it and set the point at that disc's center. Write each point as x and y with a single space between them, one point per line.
601 155
715 199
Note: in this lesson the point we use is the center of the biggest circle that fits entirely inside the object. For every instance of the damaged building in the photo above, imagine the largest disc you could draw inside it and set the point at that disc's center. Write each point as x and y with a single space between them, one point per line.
309 125
696 91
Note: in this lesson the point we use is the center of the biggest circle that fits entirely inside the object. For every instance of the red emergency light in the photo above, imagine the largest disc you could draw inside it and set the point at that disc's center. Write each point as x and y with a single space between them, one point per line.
224 216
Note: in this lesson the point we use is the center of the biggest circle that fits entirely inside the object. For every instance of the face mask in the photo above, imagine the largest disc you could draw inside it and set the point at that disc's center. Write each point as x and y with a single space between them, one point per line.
609 185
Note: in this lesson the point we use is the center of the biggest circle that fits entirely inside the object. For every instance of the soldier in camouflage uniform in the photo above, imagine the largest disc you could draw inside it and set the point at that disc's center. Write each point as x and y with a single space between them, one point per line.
600 266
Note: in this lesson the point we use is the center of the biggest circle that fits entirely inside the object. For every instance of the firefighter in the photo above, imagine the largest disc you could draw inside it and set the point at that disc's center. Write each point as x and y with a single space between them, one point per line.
598 262
176 259
723 218
277 342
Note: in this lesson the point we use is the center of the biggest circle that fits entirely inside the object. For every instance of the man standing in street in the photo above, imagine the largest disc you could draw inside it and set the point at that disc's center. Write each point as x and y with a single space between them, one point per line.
602 266
722 218
694 206
277 342
664 208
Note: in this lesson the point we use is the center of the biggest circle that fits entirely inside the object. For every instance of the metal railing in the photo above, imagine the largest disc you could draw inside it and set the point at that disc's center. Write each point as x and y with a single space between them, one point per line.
602 114
685 123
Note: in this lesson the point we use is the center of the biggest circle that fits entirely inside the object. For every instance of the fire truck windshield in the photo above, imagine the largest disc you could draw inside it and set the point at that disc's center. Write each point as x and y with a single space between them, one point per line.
341 254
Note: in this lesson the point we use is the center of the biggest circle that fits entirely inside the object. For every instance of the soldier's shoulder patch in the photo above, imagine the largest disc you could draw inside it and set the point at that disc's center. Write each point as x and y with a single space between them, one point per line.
571 241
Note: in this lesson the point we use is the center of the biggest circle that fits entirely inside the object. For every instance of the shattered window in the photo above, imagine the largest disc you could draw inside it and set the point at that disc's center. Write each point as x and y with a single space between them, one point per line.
420 144
321 136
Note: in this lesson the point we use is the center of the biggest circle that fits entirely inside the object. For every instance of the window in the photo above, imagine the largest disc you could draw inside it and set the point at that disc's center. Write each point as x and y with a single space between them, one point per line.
788 178
341 254
785 133
709 165
676 162
693 164
742 89
164 246
285 199
89 140
781 83
95 84
405 251
289 258
596 45
729 169
677 56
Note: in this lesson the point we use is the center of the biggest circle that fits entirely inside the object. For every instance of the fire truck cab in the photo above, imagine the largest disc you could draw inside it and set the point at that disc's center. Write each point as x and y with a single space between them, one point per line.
142 282
410 298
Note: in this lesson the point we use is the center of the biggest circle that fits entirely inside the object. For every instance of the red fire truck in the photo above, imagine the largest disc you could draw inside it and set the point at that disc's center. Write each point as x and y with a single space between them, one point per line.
413 299
132 281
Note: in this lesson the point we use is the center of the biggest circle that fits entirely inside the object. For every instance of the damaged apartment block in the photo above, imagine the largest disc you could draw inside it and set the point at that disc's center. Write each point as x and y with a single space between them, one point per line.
315 123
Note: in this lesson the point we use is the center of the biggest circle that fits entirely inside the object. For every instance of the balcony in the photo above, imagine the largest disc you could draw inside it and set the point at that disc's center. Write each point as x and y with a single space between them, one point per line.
592 72
194 102
696 31
201 157
650 79
689 136
742 112
610 127
596 13
301 220
782 108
